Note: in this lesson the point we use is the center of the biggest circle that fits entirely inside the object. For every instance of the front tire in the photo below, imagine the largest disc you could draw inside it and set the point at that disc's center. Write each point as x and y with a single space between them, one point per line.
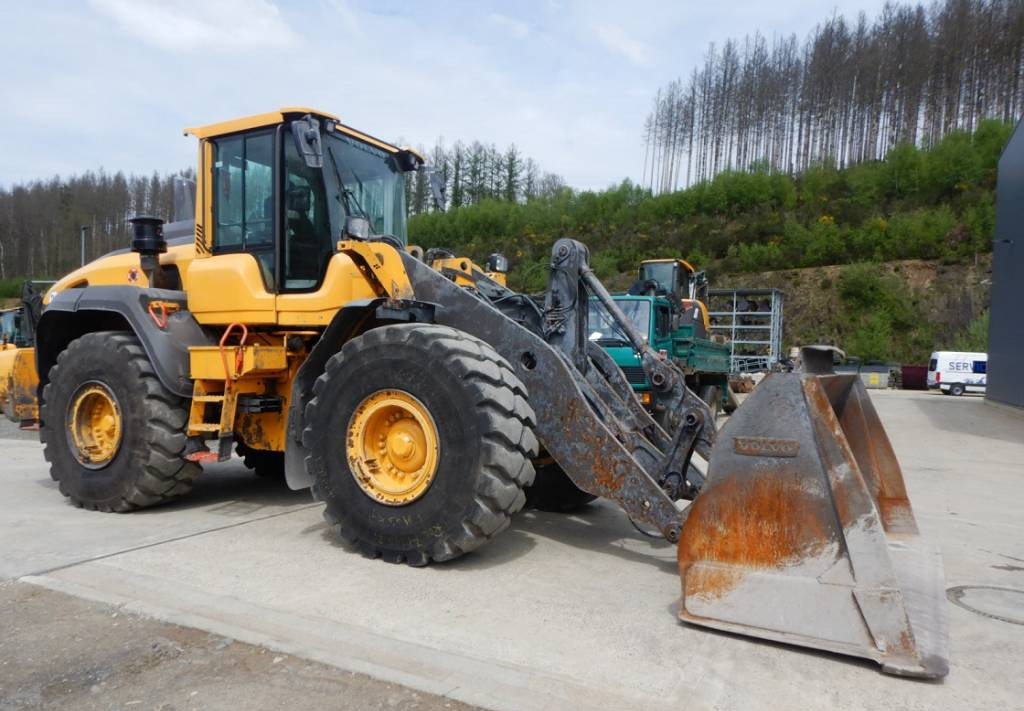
448 403
114 436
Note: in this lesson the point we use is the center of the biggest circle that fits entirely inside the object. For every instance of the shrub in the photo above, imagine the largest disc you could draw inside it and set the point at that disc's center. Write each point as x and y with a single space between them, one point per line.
915 204
975 337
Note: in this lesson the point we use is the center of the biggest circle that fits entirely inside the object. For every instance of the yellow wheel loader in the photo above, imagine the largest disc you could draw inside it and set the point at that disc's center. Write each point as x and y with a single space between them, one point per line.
18 380
413 394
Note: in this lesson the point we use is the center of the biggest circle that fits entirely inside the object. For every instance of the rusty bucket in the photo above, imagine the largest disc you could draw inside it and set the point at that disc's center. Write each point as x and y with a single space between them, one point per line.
803 532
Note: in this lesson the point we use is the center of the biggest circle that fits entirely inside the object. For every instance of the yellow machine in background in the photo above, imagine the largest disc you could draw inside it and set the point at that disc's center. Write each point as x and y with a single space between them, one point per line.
8 353
18 379
413 392
684 282
18 383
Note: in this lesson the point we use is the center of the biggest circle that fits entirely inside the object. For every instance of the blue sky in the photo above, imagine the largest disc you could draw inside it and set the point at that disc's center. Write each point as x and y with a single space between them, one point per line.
111 83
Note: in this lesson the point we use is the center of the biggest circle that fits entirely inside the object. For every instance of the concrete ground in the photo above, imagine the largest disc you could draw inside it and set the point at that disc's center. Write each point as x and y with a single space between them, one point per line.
558 612
59 651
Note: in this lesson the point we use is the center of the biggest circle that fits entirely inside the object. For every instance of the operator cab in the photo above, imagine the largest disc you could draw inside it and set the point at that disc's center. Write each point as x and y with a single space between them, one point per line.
276 195
285 192
684 287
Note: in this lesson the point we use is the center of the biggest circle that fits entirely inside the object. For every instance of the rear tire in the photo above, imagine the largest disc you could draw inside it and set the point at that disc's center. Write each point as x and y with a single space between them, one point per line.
712 397
264 463
146 466
957 389
731 403
553 490
484 440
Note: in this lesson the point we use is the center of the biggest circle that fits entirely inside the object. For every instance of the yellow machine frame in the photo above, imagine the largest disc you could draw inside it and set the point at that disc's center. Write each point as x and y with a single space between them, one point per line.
686 303
229 291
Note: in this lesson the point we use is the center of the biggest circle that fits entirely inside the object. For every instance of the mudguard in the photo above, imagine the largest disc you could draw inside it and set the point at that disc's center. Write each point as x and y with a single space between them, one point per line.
75 312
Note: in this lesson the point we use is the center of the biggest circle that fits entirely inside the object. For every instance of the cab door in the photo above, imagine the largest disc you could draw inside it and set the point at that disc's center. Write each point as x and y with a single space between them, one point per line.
236 280
314 280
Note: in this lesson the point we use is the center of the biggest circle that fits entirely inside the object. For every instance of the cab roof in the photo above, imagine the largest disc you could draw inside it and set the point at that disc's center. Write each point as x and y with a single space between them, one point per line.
284 114
689 267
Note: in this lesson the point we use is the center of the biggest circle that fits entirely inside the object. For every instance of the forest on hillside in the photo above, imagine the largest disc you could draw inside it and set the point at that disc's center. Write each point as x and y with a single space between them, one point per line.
40 220
848 92
933 203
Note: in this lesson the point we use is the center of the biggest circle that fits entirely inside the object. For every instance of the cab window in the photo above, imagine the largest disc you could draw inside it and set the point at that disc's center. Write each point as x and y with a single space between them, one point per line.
308 245
661 323
8 333
243 197
662 272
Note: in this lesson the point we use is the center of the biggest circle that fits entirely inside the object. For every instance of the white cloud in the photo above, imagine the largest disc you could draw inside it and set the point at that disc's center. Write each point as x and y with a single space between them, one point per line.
573 93
616 39
515 27
348 17
213 25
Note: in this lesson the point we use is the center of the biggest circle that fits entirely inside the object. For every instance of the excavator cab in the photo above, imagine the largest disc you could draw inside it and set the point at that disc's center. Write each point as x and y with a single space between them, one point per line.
684 286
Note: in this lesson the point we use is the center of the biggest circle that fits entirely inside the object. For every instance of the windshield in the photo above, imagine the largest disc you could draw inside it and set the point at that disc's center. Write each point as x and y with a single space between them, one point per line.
662 272
603 329
372 185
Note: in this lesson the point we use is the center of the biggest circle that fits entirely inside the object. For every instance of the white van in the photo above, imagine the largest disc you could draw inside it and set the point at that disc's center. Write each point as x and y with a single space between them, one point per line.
957 373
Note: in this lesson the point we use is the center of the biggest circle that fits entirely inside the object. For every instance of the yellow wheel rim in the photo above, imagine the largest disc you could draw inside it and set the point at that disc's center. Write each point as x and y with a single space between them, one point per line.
94 424
392 447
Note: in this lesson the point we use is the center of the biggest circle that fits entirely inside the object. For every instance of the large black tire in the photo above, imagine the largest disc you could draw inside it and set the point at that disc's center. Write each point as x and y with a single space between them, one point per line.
263 463
957 389
486 442
148 467
712 396
553 490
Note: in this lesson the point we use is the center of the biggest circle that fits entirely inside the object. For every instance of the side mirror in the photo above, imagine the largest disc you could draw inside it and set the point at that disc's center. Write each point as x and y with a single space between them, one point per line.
307 141
409 159
437 188
357 228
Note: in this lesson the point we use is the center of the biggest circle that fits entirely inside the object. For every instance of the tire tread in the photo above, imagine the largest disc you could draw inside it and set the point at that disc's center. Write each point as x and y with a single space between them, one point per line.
165 475
508 443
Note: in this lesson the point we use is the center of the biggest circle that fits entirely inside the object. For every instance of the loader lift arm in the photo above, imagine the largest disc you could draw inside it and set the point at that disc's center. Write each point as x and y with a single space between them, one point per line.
587 417
802 532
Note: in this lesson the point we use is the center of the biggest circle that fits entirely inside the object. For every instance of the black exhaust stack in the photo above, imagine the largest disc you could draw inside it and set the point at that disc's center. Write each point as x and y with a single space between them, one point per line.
148 240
